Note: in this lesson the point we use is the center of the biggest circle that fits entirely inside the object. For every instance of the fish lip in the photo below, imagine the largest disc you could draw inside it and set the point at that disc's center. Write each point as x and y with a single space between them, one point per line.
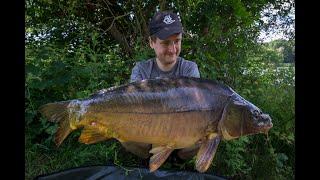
266 121
263 128
266 127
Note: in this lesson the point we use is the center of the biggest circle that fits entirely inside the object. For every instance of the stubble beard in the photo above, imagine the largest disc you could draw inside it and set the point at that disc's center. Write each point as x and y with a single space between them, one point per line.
169 59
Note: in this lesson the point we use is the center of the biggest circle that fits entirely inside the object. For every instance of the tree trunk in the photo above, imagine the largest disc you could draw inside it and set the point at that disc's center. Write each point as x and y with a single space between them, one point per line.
120 38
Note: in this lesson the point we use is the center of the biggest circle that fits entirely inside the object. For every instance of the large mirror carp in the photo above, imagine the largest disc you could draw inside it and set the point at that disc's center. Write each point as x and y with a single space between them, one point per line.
169 113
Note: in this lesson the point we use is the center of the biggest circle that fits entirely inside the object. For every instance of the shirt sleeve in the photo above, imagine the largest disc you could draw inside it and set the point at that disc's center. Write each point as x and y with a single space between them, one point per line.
192 70
135 73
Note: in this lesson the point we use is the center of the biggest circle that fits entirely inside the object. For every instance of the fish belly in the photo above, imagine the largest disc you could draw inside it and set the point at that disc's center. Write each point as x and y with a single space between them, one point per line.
182 129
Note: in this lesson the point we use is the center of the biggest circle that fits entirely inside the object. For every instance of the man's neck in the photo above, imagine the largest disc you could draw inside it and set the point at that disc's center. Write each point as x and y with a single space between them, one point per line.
165 67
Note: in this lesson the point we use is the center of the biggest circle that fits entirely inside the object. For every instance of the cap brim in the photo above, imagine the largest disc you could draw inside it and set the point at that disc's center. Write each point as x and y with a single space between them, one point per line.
166 32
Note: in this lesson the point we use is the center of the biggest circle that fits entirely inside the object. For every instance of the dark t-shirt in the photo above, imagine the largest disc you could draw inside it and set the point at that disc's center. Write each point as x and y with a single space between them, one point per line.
149 70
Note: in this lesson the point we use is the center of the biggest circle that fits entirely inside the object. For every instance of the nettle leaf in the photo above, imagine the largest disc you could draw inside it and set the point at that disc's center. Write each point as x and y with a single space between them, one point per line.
281 159
52 129
82 94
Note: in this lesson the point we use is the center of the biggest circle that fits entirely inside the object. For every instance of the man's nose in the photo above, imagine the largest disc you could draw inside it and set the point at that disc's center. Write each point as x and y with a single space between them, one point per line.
172 47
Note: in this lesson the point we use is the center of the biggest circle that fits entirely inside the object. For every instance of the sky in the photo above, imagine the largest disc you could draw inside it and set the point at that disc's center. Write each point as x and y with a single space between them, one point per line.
271 37
277 32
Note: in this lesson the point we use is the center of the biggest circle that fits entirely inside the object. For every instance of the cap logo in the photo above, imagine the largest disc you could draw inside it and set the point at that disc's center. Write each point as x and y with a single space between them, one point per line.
168 20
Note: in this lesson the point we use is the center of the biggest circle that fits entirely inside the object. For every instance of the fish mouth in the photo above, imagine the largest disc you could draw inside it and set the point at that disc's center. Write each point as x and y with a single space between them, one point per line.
264 124
264 127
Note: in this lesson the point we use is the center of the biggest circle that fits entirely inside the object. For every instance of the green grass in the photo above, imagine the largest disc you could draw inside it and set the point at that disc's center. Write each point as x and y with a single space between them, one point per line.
44 157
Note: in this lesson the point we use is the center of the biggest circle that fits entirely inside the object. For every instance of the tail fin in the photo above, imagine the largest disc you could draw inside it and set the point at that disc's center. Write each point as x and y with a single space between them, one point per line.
58 112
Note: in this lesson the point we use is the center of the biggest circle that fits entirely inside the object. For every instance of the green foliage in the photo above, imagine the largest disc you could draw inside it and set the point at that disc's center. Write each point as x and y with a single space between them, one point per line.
272 88
55 74
75 48
230 158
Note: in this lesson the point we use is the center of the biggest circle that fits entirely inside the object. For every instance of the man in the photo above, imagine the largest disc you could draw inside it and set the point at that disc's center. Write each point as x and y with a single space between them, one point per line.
165 38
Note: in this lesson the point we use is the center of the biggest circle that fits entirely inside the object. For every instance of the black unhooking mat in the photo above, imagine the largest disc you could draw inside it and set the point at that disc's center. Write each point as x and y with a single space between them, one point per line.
114 172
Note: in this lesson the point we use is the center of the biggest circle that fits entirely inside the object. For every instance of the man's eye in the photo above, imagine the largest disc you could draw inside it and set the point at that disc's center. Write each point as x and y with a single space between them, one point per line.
166 43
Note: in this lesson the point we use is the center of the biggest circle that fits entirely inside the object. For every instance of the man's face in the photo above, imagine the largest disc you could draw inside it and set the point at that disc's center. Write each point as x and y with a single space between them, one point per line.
167 50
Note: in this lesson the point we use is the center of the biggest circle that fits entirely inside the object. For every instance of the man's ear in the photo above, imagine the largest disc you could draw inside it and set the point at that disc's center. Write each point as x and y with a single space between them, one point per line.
150 42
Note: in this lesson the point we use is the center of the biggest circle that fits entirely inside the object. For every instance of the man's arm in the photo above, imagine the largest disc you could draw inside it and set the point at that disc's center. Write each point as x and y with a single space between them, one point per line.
192 70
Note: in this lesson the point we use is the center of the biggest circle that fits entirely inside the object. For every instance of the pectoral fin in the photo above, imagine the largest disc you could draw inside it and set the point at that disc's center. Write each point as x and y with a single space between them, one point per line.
90 135
139 149
160 154
206 153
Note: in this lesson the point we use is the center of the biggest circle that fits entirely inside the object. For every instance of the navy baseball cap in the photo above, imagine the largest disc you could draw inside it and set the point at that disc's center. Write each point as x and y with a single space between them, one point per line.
165 24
